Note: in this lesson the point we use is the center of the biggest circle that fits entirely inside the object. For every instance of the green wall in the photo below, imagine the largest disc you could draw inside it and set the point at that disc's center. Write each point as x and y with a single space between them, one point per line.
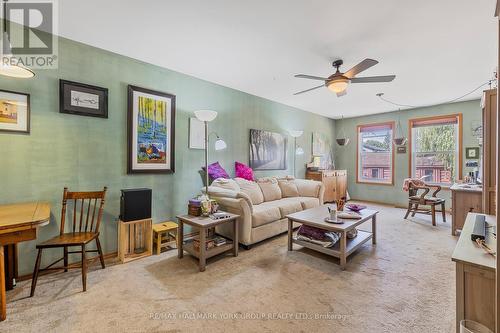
345 157
85 153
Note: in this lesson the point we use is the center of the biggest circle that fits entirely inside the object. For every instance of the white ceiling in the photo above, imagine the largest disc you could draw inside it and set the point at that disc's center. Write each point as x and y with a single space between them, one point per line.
439 50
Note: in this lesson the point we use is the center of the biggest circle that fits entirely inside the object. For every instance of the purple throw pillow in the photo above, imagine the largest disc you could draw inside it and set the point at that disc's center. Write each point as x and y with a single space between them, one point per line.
215 170
243 171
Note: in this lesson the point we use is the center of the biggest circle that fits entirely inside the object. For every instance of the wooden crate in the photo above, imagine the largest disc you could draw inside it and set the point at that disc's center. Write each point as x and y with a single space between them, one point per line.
132 236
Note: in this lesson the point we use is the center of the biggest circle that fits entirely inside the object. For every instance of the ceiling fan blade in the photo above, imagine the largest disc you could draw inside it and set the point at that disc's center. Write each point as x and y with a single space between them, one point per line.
312 77
373 79
304 91
362 66
342 93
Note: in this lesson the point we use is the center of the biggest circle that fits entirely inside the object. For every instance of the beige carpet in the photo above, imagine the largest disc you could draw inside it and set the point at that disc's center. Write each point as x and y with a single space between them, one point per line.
404 284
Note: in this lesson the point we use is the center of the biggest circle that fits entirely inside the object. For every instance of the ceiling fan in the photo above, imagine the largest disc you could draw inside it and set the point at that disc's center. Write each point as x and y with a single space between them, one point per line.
338 81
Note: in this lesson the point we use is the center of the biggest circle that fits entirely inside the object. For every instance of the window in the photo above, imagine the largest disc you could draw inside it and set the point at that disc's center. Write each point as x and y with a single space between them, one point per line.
375 154
435 149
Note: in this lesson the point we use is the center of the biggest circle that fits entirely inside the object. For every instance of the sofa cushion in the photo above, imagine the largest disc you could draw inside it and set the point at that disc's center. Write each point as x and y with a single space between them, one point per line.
288 188
266 212
308 188
243 171
227 184
251 189
308 202
270 188
289 206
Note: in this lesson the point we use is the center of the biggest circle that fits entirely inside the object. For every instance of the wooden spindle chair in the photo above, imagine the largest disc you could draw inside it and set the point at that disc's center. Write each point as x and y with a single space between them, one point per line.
416 201
85 228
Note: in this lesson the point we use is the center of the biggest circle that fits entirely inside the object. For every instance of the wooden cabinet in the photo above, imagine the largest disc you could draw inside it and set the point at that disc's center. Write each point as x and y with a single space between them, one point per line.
464 201
475 280
489 165
335 182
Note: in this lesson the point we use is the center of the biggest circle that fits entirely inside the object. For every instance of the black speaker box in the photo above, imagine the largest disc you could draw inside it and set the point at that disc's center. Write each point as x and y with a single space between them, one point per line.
135 204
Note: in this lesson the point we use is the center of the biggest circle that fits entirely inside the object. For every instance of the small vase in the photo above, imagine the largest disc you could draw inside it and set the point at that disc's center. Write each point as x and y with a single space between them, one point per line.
340 204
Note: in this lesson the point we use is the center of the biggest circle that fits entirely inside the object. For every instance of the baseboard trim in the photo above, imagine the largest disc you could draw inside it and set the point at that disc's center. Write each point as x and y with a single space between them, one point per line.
378 202
107 256
391 204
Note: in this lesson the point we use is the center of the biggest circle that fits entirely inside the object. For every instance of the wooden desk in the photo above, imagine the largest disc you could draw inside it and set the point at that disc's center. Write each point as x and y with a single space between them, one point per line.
18 223
475 276
464 200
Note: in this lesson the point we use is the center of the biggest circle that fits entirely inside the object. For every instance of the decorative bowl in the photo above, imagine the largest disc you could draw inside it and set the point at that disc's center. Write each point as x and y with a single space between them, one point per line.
355 208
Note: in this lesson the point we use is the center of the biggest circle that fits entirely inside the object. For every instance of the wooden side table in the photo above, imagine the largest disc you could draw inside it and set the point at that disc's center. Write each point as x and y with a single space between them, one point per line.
164 235
203 224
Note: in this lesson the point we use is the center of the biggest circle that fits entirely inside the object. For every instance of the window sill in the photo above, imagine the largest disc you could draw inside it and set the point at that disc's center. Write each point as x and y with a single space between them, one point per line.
374 183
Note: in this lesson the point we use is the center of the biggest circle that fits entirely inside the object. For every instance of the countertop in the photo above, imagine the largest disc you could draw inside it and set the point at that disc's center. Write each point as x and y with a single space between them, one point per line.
467 188
468 251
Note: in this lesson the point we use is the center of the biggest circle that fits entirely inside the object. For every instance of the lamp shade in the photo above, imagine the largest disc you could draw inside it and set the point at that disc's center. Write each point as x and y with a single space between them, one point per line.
296 133
220 144
11 68
205 115
16 71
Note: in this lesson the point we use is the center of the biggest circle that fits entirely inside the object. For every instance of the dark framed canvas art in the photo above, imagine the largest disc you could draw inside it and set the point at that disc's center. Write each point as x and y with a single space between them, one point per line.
151 131
83 99
267 150
14 112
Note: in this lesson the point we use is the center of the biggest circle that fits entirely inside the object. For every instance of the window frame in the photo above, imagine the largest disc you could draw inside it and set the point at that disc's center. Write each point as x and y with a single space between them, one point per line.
392 124
459 149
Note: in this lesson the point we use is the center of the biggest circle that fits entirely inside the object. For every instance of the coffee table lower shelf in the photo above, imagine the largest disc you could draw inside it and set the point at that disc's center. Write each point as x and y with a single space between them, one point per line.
351 244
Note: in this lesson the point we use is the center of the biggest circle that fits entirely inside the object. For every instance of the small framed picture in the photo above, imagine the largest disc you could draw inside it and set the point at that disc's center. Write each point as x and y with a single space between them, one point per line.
401 149
14 112
83 99
472 153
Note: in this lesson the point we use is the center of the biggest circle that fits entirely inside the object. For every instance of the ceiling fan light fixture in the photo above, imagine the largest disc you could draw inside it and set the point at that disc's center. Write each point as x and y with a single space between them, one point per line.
338 85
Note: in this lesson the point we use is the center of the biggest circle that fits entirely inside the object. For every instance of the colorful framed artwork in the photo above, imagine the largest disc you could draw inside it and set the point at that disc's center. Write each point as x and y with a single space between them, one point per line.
267 150
151 131
14 112
472 153
83 99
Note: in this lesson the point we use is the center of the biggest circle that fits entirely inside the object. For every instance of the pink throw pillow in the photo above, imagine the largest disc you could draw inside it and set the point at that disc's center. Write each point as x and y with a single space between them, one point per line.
243 171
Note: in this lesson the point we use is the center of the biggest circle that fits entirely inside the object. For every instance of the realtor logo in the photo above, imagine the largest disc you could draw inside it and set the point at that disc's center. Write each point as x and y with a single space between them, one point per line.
29 33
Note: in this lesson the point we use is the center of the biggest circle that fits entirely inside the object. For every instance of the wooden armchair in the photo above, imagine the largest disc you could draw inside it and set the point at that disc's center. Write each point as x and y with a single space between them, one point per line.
415 201
84 229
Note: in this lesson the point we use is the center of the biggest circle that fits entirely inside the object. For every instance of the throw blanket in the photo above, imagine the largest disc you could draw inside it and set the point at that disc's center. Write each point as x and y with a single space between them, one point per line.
318 236
415 181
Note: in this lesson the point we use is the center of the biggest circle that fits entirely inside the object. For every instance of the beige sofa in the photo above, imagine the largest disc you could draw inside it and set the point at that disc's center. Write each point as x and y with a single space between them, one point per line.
263 205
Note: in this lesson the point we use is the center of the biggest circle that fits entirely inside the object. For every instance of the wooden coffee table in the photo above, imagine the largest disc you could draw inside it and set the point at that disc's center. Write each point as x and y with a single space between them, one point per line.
315 217
203 224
